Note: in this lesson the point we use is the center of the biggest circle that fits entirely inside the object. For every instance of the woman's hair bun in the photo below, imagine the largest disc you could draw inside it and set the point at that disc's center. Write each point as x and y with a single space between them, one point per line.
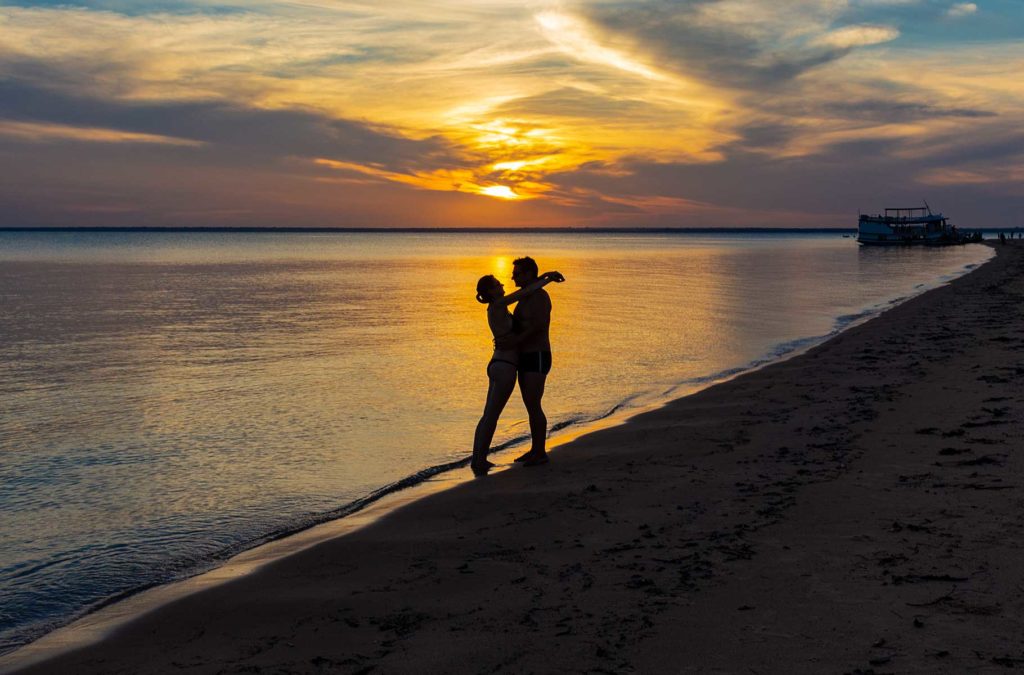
485 283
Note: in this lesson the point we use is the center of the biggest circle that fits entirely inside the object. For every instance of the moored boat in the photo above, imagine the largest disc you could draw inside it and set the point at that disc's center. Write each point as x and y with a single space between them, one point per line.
908 226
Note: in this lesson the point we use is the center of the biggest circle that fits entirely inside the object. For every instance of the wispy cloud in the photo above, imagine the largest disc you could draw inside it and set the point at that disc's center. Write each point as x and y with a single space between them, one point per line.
1011 177
573 38
961 9
849 37
42 132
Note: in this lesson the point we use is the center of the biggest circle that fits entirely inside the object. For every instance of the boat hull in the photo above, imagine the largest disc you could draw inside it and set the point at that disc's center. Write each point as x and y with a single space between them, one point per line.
908 242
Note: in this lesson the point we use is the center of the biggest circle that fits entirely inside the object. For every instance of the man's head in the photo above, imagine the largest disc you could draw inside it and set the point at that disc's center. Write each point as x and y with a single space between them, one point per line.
524 271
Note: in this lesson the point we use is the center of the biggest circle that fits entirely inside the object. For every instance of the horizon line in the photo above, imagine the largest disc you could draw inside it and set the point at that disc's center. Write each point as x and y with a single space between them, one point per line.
416 230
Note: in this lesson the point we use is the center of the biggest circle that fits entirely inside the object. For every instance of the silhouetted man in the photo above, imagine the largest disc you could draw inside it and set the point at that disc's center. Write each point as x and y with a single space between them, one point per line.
531 320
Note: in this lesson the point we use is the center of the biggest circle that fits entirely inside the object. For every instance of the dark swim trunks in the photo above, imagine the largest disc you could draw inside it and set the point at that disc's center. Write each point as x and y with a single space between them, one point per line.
535 362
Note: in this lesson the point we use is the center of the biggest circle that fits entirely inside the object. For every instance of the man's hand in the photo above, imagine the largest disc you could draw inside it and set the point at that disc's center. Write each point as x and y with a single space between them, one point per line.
509 341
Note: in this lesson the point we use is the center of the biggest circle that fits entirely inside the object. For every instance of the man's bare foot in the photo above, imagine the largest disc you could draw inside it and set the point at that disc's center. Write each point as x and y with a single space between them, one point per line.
536 459
525 456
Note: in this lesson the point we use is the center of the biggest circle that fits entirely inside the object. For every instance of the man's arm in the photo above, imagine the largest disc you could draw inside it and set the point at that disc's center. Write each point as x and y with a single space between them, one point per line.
524 292
533 318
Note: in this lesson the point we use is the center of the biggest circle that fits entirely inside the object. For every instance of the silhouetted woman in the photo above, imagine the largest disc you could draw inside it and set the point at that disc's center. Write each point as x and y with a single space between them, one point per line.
501 370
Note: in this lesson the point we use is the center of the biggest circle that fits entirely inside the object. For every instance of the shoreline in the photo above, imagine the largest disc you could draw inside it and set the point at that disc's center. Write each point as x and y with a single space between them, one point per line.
650 423
94 624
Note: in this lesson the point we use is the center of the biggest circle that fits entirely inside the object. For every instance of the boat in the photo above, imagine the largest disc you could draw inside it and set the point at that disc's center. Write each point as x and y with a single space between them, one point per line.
908 226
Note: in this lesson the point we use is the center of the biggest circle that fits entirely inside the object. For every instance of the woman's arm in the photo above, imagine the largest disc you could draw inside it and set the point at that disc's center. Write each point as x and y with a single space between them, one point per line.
542 281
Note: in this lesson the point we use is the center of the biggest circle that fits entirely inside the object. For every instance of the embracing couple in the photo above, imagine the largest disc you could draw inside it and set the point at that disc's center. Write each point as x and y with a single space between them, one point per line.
522 350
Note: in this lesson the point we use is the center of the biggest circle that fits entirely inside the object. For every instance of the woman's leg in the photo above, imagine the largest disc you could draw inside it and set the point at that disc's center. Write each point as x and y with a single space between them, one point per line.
501 381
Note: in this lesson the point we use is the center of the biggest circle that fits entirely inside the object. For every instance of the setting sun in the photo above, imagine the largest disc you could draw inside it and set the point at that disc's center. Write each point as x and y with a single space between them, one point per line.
501 191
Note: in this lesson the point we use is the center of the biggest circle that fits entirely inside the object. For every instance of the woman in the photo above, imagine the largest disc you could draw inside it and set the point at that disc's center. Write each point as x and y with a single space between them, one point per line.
501 370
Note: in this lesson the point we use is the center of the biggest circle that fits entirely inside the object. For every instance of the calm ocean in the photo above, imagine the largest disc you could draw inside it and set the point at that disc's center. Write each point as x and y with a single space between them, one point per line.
168 399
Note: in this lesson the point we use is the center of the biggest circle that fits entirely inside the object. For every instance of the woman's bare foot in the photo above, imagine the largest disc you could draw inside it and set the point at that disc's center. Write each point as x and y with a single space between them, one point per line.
525 456
481 468
536 459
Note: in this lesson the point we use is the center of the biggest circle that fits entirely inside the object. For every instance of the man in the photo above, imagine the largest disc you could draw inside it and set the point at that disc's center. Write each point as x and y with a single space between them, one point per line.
531 320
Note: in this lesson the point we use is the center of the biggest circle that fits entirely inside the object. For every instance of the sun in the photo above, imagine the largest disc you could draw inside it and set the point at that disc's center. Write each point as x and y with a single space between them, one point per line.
500 191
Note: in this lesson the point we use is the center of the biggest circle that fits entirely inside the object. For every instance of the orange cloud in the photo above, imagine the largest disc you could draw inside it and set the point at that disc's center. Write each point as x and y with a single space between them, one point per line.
42 132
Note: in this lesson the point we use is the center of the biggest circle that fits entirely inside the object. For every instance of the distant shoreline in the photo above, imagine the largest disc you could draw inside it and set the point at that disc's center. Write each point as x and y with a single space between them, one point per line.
468 230
452 230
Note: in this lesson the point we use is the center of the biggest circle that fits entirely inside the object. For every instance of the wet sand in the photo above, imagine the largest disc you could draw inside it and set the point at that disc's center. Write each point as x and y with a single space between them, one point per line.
858 508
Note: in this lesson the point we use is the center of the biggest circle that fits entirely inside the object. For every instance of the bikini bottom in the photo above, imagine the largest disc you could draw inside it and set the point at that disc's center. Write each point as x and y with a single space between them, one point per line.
493 361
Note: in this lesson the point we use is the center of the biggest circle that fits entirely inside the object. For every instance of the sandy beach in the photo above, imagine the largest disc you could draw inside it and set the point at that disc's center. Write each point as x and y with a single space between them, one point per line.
857 508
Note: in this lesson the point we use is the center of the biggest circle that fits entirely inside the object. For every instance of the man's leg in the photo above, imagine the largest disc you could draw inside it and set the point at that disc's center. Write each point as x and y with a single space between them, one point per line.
531 386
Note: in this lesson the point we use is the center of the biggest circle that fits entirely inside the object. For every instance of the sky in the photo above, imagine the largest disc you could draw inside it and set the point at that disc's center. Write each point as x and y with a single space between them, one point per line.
500 113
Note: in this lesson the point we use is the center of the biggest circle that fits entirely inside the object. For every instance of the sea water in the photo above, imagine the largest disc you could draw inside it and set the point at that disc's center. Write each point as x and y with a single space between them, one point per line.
169 399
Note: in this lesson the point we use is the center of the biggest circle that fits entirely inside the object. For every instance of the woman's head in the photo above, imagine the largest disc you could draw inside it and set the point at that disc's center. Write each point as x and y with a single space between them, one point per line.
488 288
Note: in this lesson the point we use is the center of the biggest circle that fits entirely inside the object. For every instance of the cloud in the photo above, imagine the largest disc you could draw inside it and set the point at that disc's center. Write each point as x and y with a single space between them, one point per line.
223 128
984 176
900 110
41 132
226 134
856 36
740 44
575 103
337 56
572 37
962 9
750 190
